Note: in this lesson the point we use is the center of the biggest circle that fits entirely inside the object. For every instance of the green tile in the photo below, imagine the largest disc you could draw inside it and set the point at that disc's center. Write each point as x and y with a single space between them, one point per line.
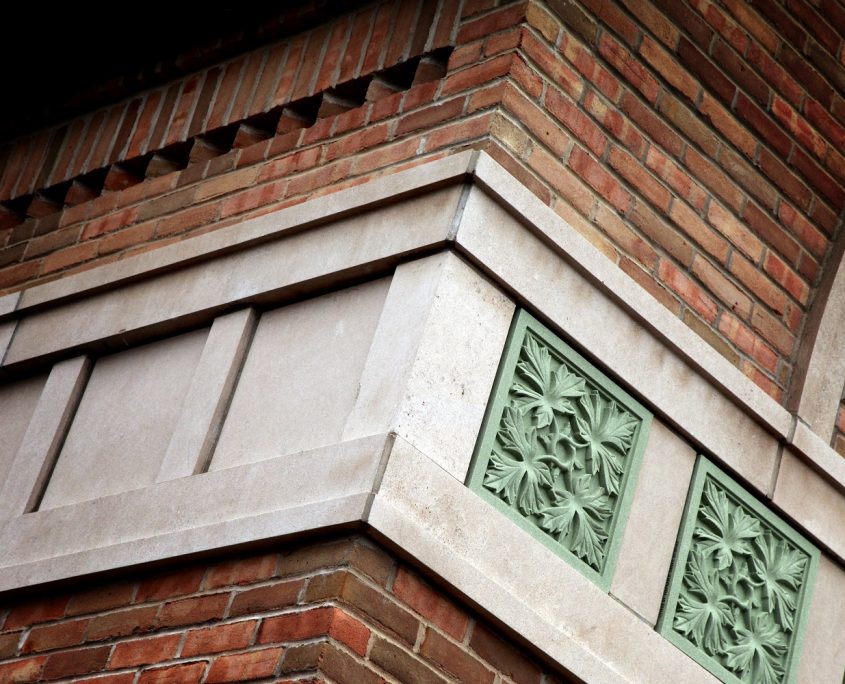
560 448
740 585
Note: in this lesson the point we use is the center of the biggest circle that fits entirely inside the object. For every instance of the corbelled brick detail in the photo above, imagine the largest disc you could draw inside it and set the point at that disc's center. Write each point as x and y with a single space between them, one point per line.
343 610
697 145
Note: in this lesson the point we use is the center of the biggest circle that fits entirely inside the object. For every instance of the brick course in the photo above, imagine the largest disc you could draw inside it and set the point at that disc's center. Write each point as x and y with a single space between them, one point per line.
324 630
697 145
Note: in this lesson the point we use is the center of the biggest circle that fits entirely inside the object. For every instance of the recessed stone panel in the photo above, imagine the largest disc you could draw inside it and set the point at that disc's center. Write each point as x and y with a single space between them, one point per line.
560 449
740 586
300 379
125 420
17 404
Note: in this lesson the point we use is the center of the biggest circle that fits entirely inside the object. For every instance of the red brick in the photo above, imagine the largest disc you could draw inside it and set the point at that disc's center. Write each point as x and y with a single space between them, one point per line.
304 84
819 178
737 68
712 177
52 241
59 635
185 673
724 25
147 651
689 123
772 330
630 68
244 666
169 584
653 126
735 231
831 129
491 23
69 145
627 239
728 125
378 39
688 20
402 664
562 180
504 657
787 277
676 178
798 126
691 293
599 179
349 631
536 121
110 223
665 65
228 637
430 603
18 273
122 623
295 626
763 381
193 610
477 75
749 178
693 226
574 118
116 242
766 290
401 32
9 643
223 98
614 122
526 77
260 196
242 571
632 170
459 131
76 662
765 127
119 678
787 181
714 280
269 597
329 174
518 171
506 40
162 124
663 234
748 341
68 257
384 156
27 670
551 64
429 116
803 229
454 659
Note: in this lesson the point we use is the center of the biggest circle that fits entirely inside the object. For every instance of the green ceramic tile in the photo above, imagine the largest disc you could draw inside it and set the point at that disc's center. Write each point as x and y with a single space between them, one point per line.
560 448
740 585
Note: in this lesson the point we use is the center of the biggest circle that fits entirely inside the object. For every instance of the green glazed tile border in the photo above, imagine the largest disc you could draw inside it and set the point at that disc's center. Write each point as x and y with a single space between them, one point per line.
559 449
740 585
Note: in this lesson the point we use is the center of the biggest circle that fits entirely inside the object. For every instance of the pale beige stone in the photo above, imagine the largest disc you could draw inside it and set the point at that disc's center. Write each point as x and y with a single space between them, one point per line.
300 379
431 368
819 453
18 400
274 271
498 566
39 447
296 493
626 345
9 302
125 420
812 501
419 179
823 657
209 395
652 527
7 330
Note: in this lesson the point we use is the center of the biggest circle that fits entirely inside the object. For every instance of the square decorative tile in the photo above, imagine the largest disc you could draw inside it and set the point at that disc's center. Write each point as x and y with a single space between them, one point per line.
560 448
740 585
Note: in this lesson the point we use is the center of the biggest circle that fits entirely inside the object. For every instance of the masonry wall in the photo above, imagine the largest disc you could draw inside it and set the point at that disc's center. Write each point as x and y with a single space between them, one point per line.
343 610
697 144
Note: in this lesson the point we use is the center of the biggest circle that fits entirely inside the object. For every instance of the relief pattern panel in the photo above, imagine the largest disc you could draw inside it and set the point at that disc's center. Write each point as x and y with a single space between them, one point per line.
560 449
740 585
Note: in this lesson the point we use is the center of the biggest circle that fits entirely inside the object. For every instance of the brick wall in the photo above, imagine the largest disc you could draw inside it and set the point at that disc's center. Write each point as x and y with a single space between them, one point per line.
342 610
698 145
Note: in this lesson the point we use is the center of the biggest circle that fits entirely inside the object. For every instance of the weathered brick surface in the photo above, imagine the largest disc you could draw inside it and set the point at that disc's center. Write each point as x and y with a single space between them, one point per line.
698 145
339 631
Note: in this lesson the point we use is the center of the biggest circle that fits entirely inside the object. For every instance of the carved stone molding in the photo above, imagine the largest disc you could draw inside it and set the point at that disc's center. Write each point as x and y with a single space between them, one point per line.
740 585
560 448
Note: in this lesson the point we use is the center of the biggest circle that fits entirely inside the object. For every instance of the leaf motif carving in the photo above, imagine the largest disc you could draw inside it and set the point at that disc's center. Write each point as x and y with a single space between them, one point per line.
725 531
545 391
758 650
607 431
581 513
705 613
519 471
779 570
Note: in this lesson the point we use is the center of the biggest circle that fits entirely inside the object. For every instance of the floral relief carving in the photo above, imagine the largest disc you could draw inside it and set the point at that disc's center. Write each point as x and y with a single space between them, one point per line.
742 588
560 454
